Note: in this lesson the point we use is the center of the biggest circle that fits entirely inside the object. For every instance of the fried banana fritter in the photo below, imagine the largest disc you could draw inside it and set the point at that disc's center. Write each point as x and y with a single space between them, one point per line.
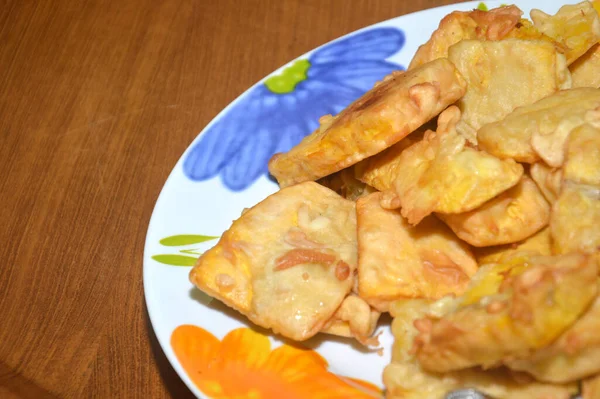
503 75
526 30
436 174
576 213
287 263
575 26
573 356
575 219
404 378
550 142
494 24
538 244
548 179
586 70
510 309
512 216
383 116
353 319
397 260
379 171
540 130
583 155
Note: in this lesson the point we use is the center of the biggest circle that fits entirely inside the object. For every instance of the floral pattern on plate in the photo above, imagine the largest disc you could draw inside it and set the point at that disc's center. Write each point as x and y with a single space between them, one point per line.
182 240
243 365
276 114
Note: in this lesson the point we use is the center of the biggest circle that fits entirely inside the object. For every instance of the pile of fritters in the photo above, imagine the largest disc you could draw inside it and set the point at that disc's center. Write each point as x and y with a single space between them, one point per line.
463 197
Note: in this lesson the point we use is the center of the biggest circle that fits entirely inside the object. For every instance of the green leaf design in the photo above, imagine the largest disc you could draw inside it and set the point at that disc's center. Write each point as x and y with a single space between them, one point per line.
175 260
482 7
286 81
185 239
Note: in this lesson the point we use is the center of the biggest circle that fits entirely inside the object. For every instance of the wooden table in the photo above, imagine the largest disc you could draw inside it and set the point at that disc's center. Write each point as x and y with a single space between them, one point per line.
98 99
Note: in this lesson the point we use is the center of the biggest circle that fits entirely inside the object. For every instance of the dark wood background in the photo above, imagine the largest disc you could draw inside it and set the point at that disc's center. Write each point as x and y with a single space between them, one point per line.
98 99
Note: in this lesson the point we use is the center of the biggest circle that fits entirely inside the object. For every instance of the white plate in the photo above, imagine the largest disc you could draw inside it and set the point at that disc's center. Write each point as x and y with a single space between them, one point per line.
224 171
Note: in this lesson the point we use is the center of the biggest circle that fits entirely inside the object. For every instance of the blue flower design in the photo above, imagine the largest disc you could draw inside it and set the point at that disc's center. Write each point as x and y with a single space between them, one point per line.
276 114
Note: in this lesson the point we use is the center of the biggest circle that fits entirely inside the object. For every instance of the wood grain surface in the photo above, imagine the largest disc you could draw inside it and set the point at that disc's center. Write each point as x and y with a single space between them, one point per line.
98 99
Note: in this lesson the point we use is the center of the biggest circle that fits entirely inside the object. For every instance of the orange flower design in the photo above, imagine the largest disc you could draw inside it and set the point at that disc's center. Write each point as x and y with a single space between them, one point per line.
243 366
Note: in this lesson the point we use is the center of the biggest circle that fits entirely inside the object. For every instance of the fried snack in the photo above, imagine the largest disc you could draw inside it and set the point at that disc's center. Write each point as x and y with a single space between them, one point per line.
573 356
380 170
380 118
591 388
458 25
527 31
550 143
346 184
502 76
509 309
585 71
512 216
583 155
540 129
354 319
436 174
576 212
287 263
575 219
538 244
397 260
575 26
547 179
405 379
